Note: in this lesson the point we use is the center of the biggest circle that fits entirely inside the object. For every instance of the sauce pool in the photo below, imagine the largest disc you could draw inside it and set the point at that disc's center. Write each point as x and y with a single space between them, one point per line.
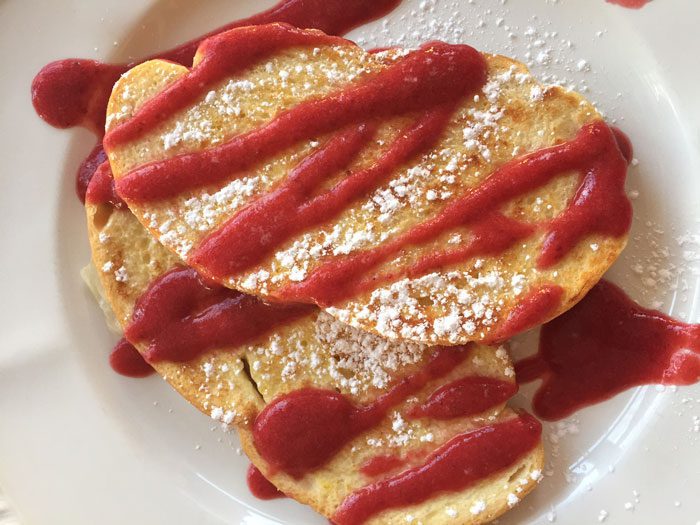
605 345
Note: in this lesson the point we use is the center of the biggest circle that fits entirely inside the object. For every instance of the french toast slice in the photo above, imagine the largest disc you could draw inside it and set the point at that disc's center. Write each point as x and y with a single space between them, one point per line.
235 384
480 280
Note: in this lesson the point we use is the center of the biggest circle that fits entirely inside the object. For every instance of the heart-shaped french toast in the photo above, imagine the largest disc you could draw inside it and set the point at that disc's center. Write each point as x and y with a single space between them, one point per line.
437 195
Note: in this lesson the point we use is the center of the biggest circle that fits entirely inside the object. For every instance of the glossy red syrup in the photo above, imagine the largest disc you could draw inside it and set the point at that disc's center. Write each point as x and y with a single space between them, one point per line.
428 78
272 212
632 4
599 206
74 92
303 430
460 463
100 189
127 361
181 317
87 170
379 465
295 210
534 308
260 486
605 345
624 143
467 396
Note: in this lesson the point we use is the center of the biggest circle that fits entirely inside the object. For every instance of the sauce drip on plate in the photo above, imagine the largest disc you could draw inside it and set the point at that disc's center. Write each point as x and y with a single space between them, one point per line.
605 345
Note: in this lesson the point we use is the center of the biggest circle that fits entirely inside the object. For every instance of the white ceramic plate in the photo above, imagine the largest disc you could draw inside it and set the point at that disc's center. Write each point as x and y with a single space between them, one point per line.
81 445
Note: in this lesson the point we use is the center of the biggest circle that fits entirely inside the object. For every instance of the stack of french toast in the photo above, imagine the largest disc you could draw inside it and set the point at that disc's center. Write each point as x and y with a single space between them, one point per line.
328 248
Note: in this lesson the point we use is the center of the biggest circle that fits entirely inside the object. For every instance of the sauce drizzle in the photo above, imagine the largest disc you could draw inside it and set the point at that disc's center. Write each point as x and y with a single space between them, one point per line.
464 397
460 463
87 170
101 190
294 211
605 345
536 307
432 76
379 465
181 317
301 431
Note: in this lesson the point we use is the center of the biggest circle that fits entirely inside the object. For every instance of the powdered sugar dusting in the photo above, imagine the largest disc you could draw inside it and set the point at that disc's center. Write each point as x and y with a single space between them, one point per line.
470 304
354 360
205 211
